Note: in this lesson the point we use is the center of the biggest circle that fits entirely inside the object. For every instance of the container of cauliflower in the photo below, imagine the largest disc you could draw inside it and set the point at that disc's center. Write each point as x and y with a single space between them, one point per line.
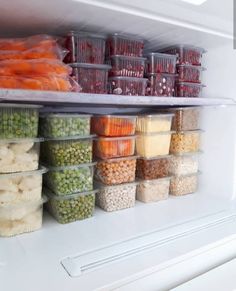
19 155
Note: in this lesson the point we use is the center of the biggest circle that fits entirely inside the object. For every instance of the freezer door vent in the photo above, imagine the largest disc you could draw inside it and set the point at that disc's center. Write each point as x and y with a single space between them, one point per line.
76 265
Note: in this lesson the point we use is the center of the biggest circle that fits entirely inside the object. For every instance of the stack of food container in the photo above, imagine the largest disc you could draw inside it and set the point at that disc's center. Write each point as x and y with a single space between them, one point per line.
67 152
153 144
86 57
116 165
189 70
125 54
20 175
185 145
160 71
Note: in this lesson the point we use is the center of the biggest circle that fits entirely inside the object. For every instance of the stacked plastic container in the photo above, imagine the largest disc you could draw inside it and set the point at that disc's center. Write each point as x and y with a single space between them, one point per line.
86 57
185 150
67 152
160 71
125 55
153 145
189 70
20 175
116 164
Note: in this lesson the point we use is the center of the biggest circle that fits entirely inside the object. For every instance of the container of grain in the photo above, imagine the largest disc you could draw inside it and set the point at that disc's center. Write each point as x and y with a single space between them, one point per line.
185 141
153 123
184 164
184 184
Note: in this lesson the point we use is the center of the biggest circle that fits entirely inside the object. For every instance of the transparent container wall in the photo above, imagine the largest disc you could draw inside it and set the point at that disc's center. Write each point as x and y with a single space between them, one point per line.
182 185
192 74
185 142
153 123
127 86
160 63
187 118
188 90
161 85
184 164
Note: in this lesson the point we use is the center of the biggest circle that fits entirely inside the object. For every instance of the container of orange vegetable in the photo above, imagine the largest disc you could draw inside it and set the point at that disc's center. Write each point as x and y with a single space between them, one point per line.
113 125
114 147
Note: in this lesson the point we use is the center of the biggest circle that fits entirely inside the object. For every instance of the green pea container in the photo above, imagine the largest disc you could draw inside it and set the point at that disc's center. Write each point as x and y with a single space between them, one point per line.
69 208
19 120
70 179
67 151
64 124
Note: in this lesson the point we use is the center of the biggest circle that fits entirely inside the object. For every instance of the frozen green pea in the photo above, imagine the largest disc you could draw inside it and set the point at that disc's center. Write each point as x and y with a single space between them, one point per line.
62 125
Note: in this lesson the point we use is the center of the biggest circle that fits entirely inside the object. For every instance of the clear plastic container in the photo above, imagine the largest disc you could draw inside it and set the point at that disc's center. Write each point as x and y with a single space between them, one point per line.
185 184
153 190
67 151
70 179
20 187
92 78
184 89
113 125
125 45
185 141
153 168
185 118
64 124
189 73
161 85
85 47
114 147
113 198
186 54
153 144
116 171
127 86
184 164
153 123
69 208
127 66
161 63
18 120
19 155
20 218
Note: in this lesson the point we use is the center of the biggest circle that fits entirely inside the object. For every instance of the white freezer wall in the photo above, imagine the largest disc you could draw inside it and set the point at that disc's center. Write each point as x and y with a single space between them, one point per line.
218 163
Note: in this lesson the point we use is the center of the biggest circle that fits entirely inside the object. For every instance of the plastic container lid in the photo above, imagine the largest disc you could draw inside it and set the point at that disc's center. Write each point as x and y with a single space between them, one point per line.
128 78
100 185
162 55
75 137
156 158
40 171
11 105
86 34
186 46
90 66
21 140
116 138
24 204
163 74
156 115
185 108
155 133
190 84
154 180
200 68
187 175
118 159
59 115
126 36
128 58
51 195
189 131
115 116
52 169
187 154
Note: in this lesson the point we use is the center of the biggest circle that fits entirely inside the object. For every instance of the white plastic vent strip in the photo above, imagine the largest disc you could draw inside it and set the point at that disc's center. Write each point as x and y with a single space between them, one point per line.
76 265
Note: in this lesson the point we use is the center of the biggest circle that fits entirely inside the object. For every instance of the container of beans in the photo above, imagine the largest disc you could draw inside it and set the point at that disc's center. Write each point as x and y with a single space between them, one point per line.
116 171
185 118
112 198
127 66
114 147
189 73
153 144
153 168
184 89
161 84
186 54
85 47
153 190
125 45
113 125
18 121
70 179
19 155
92 78
64 124
184 164
184 184
161 63
67 151
152 123
72 207
185 141
127 86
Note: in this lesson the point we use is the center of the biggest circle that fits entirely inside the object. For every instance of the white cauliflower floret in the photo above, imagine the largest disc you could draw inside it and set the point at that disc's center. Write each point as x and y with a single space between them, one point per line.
7 196
19 148
30 182
6 156
8 185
